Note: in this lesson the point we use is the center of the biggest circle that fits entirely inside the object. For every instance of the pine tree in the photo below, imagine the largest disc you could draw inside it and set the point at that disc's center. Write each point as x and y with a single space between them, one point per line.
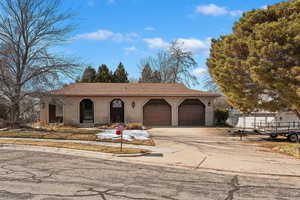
89 75
104 74
258 65
146 75
120 75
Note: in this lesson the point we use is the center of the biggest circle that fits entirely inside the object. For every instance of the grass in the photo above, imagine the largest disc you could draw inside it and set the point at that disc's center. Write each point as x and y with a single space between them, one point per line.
86 135
69 129
286 148
280 145
134 126
48 135
290 149
78 146
130 126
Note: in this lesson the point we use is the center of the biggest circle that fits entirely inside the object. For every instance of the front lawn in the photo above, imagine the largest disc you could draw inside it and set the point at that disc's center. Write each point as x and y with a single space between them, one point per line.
291 149
279 145
68 134
78 146
23 133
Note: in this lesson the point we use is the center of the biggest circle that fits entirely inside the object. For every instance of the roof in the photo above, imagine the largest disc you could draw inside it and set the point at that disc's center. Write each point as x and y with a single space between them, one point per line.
129 89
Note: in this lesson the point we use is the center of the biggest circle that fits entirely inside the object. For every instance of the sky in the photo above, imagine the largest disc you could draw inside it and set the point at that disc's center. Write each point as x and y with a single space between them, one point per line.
127 31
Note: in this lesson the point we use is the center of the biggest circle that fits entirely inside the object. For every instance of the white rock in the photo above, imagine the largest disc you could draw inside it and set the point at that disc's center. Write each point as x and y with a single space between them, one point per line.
128 135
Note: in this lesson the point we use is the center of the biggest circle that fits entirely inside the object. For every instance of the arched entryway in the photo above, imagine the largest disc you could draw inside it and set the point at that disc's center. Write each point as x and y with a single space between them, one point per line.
86 111
117 111
191 112
157 112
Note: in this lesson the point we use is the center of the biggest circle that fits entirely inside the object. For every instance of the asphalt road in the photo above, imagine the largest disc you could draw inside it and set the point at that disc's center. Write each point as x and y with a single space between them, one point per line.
49 176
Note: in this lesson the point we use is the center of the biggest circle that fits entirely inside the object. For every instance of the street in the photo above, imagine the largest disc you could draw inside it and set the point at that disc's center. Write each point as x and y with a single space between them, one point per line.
39 175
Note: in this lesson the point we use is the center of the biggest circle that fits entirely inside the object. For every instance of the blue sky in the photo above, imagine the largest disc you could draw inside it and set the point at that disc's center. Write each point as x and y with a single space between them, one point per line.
113 31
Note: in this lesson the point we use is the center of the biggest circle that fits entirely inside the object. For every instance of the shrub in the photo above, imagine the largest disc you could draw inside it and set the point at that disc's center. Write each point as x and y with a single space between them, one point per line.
134 126
221 115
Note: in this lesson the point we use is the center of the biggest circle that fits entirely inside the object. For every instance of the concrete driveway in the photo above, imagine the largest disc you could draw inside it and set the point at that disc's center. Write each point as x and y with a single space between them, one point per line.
212 149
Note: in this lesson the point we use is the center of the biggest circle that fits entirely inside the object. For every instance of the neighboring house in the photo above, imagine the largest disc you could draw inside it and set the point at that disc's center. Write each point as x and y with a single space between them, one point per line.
153 104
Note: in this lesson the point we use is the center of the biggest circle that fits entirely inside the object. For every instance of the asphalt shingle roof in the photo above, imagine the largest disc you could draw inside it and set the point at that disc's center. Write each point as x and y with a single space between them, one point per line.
129 89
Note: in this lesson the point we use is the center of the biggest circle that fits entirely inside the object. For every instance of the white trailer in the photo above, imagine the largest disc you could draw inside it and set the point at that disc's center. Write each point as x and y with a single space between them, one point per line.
291 130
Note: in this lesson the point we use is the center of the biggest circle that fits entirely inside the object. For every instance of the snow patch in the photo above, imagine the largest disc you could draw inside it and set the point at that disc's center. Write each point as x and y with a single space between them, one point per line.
128 135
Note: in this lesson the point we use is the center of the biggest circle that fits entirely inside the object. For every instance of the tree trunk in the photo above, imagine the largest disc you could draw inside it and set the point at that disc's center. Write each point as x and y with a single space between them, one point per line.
297 112
15 115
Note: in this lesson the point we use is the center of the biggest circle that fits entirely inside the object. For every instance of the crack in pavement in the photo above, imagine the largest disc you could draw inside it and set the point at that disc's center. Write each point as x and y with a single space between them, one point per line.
202 161
234 183
45 175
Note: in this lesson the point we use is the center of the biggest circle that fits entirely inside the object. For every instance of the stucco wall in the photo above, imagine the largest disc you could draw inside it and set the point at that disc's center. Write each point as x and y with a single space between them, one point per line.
131 114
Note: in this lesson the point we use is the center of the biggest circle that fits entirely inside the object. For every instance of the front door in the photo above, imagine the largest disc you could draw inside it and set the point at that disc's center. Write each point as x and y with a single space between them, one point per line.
52 113
117 111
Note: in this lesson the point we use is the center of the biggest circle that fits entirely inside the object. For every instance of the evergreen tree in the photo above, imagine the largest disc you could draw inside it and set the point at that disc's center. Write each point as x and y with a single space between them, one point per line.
146 75
120 75
89 75
104 74
258 65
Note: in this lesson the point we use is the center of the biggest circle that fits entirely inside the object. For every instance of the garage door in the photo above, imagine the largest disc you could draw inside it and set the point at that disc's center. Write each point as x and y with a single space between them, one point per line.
191 113
157 112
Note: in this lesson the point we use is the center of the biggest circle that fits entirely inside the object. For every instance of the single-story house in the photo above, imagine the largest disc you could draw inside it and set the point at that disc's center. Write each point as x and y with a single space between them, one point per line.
152 104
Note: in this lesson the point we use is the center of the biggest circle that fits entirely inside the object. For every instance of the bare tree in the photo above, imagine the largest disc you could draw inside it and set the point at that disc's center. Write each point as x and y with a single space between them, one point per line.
181 62
28 29
161 63
210 85
174 64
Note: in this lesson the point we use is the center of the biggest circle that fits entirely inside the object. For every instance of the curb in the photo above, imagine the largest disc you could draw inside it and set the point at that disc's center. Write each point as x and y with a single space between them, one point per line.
150 154
131 155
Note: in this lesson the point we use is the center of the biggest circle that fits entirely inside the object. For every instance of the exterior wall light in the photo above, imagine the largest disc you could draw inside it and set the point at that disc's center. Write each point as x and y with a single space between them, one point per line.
209 104
133 104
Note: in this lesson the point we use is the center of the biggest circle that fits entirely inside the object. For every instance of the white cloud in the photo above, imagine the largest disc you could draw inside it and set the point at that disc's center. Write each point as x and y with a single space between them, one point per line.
264 7
195 45
149 28
211 9
107 35
199 71
214 10
189 44
156 43
132 48
236 13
